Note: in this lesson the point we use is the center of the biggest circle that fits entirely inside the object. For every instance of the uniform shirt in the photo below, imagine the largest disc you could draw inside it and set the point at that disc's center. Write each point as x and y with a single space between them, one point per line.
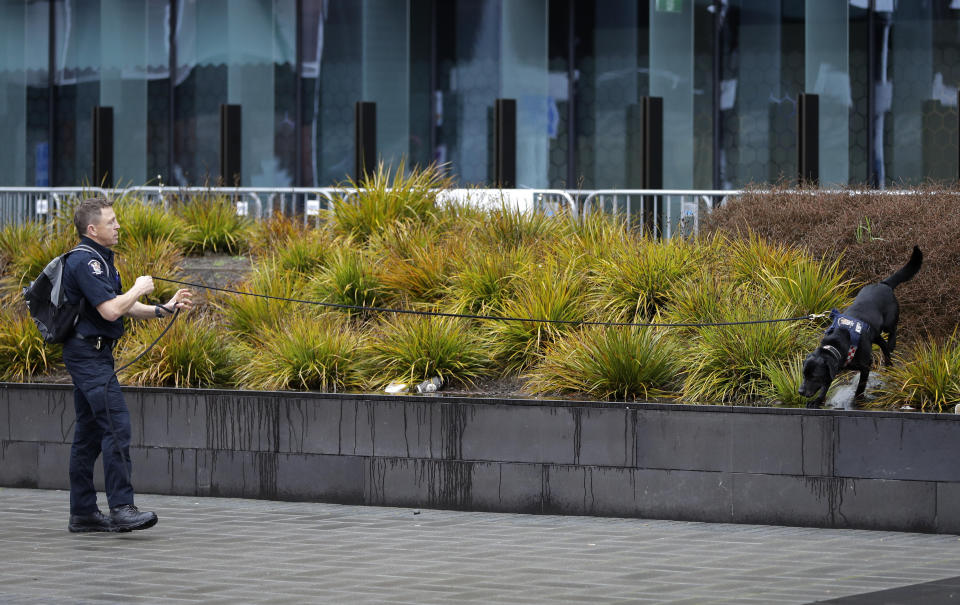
85 276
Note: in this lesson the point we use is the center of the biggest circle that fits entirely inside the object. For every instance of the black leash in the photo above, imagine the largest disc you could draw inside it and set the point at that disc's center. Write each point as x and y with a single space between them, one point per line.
492 317
127 465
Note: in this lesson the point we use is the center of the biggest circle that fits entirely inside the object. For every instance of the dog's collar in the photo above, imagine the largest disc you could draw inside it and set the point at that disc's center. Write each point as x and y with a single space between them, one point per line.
833 351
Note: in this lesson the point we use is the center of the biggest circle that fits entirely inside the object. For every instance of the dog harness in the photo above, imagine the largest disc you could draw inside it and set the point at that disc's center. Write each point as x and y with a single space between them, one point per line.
855 327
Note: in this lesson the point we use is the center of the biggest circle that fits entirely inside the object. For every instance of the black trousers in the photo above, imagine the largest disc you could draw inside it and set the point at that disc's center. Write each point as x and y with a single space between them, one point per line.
95 432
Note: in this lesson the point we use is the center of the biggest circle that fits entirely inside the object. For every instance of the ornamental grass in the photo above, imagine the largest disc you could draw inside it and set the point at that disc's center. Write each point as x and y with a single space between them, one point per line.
306 352
273 232
782 379
14 237
388 195
306 253
213 224
416 261
244 316
925 377
726 364
194 353
149 256
546 291
638 278
351 278
140 222
411 349
23 354
484 278
808 286
510 227
609 363
33 256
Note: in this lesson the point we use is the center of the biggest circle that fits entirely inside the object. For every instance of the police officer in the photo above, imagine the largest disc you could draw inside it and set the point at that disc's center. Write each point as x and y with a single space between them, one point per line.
103 421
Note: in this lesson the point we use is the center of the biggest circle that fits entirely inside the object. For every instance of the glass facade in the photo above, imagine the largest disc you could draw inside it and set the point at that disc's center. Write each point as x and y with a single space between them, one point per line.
729 72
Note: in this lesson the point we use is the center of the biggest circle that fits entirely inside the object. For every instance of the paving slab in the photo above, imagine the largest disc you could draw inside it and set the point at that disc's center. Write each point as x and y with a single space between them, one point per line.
216 550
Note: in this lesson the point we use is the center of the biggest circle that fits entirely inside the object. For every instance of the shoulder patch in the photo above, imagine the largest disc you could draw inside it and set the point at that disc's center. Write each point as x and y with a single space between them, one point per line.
95 266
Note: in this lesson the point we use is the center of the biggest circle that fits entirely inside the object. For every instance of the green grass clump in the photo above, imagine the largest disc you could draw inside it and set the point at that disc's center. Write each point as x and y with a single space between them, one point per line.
783 378
726 364
414 348
608 363
213 225
807 286
34 256
926 378
751 257
246 315
638 279
23 353
192 354
305 252
508 226
148 256
304 352
141 221
416 261
700 299
382 199
274 232
599 234
485 278
351 278
546 292
14 237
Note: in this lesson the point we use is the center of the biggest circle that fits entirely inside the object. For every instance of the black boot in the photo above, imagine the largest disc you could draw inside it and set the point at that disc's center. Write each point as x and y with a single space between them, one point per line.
95 521
127 517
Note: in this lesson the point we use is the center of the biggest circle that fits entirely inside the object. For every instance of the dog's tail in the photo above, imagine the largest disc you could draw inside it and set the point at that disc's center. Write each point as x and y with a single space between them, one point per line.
906 272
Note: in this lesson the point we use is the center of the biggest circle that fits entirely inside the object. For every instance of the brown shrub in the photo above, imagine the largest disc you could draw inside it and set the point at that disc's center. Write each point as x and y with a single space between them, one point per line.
874 233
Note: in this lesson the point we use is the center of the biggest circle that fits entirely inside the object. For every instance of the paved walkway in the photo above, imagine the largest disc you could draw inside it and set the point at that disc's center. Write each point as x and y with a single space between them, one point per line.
210 550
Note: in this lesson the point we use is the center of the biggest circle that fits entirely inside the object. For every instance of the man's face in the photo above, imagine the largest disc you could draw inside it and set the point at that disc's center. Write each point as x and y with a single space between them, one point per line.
106 231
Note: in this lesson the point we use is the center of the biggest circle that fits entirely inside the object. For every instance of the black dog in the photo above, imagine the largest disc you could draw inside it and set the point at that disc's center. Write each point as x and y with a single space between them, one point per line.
848 342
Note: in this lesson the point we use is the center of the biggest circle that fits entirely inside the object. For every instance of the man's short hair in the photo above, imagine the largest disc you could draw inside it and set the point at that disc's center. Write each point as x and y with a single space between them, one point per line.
88 212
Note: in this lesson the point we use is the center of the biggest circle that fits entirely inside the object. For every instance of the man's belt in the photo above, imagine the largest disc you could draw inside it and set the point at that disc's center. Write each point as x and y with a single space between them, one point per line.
97 342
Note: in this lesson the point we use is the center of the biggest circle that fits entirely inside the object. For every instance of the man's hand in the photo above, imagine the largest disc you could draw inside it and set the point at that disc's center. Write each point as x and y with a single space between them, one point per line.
181 300
143 286
126 303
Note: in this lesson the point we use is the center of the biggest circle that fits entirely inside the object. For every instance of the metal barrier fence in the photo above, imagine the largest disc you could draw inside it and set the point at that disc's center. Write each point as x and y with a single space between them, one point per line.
23 204
666 212
255 202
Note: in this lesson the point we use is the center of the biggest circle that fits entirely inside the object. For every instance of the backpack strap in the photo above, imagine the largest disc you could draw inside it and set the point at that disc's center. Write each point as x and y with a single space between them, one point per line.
87 248
54 270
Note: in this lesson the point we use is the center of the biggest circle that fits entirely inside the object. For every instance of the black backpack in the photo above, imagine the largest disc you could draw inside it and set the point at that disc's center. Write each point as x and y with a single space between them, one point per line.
47 302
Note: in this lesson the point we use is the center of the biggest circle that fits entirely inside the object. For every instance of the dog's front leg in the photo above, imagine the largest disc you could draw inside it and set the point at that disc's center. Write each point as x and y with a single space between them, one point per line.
817 402
862 384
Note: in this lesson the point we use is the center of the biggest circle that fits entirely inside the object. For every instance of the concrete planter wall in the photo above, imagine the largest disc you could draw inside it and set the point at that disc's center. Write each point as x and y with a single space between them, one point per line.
701 463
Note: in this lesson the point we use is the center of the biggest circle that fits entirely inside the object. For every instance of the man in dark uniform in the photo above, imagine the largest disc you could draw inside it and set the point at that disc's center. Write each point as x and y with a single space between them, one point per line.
103 421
